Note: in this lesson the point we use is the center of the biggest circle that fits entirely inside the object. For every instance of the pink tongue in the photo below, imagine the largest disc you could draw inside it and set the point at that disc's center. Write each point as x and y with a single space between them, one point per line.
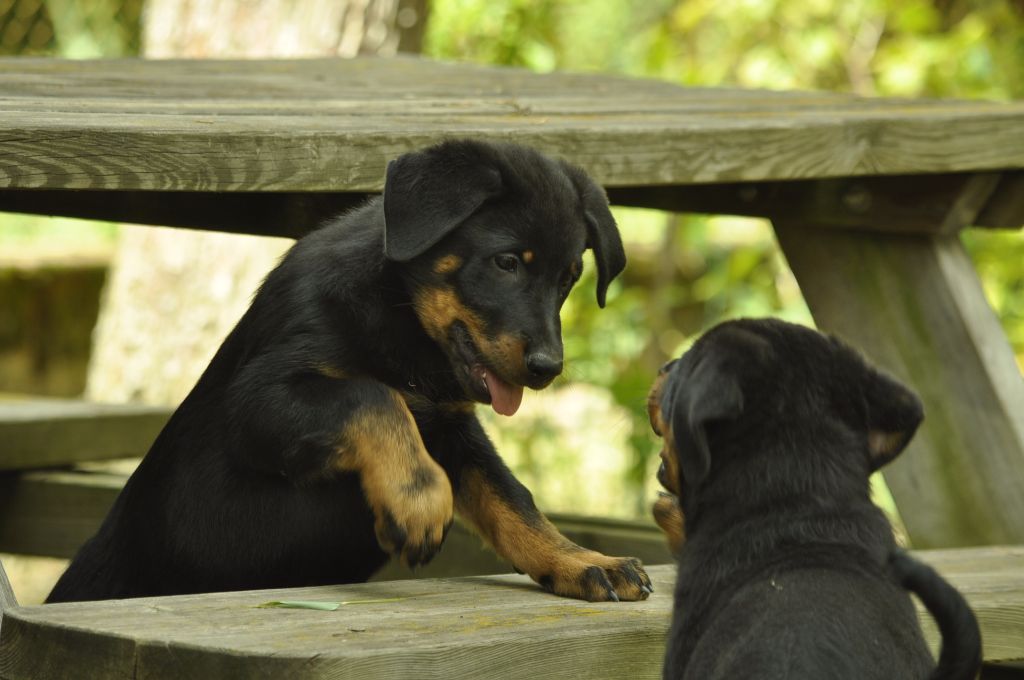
505 398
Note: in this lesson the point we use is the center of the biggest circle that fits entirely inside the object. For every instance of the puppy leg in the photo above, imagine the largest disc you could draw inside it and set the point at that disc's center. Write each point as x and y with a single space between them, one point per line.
311 426
408 491
501 509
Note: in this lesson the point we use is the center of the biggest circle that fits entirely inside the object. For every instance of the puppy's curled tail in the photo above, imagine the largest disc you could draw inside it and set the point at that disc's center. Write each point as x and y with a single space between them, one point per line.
960 658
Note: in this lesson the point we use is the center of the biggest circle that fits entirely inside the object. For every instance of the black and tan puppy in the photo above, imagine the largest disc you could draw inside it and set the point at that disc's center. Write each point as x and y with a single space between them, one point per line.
335 424
786 568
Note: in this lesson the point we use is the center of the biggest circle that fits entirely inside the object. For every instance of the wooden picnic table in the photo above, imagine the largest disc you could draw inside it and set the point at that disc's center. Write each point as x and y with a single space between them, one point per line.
866 196
476 627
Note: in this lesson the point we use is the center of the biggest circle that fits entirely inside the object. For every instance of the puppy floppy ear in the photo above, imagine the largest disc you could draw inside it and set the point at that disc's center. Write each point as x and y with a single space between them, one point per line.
894 413
602 232
427 194
711 392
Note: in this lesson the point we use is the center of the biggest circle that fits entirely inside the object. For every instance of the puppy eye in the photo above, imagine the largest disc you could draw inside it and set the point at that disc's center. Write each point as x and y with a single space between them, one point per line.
507 262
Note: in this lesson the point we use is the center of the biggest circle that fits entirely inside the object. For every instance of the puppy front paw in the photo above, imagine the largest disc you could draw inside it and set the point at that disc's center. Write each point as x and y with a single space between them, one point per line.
413 514
669 516
588 575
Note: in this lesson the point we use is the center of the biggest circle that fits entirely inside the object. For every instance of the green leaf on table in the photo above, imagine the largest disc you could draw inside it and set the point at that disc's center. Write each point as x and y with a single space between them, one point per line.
323 606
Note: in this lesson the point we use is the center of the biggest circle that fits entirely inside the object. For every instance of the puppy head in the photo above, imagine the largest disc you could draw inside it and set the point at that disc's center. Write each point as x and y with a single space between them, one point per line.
750 382
490 238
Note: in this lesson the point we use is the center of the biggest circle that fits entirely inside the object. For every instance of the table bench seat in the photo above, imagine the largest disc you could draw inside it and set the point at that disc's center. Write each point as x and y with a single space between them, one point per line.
39 432
472 627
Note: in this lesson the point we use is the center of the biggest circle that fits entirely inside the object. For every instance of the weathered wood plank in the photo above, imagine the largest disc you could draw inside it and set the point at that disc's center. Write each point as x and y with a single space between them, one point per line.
289 214
1005 208
482 627
37 433
904 203
331 125
7 599
915 306
53 513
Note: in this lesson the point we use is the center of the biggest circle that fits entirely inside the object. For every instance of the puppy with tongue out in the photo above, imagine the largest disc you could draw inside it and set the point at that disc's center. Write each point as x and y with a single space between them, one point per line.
335 427
488 240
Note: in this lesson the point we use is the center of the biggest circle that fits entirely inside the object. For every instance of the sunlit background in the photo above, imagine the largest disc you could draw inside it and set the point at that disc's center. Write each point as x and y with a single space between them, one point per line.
583 446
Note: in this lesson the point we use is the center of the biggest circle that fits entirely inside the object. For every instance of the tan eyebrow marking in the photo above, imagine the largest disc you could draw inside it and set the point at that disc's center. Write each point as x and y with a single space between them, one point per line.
447 264
528 256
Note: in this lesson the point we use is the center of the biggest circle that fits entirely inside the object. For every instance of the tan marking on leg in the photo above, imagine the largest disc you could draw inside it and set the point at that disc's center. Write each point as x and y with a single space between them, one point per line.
408 491
534 546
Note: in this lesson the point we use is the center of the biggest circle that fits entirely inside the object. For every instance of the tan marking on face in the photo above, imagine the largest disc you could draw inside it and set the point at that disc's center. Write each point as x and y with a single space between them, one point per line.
439 307
528 256
447 264
884 444
663 428
575 269
669 516
654 404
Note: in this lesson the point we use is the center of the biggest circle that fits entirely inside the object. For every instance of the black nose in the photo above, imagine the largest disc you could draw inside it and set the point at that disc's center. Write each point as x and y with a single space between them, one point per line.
543 365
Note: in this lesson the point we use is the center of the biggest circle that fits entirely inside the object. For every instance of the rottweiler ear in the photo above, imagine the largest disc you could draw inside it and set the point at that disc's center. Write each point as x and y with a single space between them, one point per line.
711 392
894 413
602 232
427 194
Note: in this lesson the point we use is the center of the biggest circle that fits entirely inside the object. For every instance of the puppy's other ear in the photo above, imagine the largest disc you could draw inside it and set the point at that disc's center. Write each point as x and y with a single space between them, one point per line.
894 413
429 193
711 392
602 232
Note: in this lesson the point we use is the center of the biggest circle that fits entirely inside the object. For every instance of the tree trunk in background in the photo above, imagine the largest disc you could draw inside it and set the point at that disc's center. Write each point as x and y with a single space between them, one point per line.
173 294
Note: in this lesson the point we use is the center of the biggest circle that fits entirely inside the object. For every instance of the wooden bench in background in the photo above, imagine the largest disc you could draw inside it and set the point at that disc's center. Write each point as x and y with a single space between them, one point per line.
866 196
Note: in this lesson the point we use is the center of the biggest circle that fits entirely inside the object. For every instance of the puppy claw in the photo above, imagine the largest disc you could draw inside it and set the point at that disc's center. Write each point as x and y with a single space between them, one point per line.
597 578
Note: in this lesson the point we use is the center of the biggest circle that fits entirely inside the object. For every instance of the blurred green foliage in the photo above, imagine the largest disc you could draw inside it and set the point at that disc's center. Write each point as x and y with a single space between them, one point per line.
76 29
703 270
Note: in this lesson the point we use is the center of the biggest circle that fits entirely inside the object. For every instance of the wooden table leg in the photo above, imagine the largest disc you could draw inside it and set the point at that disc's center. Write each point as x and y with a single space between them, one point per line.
7 599
914 305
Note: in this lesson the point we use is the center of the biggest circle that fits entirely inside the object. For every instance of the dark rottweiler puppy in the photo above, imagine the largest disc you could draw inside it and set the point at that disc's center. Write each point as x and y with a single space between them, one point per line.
335 424
786 568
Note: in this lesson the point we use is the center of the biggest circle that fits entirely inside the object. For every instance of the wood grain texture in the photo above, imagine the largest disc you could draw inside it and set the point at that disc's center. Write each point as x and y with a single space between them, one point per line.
901 203
332 125
913 304
7 599
480 627
1005 208
53 513
37 433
